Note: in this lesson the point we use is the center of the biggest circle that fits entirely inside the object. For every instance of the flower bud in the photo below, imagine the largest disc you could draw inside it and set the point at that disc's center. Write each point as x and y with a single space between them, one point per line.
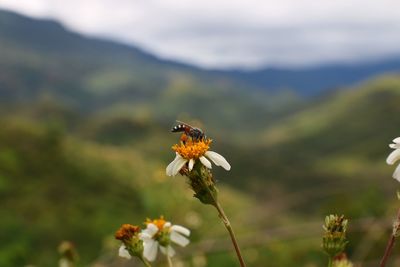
334 239
129 235
202 182
68 253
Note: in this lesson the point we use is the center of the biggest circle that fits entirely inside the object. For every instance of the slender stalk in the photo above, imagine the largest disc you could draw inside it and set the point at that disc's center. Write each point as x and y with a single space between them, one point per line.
169 261
226 222
231 233
391 241
388 251
330 261
145 262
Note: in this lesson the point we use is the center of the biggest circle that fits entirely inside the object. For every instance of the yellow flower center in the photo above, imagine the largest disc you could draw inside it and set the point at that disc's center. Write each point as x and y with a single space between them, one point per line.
157 222
190 149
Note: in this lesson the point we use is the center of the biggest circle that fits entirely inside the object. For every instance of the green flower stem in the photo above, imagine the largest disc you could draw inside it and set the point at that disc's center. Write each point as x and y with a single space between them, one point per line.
330 262
145 262
231 233
169 261
228 227
206 192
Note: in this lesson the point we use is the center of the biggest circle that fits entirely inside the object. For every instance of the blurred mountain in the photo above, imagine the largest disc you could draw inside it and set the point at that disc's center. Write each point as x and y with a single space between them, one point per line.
312 81
42 60
339 138
105 71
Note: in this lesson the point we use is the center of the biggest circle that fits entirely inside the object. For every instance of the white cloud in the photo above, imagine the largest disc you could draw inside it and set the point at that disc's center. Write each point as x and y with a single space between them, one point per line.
236 33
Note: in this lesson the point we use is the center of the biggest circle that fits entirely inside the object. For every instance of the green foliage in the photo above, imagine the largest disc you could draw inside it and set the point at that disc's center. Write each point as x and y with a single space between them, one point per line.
62 178
85 140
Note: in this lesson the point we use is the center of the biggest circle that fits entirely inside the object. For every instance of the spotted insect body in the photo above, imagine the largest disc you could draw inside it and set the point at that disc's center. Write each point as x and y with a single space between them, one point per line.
179 128
193 132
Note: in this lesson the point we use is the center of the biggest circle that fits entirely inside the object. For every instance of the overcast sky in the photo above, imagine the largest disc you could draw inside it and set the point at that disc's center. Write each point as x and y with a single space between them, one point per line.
229 33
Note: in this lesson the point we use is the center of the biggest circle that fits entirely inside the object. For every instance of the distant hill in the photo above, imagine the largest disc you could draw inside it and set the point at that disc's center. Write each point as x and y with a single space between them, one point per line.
338 139
41 59
317 80
27 39
357 115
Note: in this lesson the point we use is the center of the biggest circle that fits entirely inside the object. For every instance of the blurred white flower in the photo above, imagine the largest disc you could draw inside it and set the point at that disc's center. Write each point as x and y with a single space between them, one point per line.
394 157
64 263
124 253
342 263
159 234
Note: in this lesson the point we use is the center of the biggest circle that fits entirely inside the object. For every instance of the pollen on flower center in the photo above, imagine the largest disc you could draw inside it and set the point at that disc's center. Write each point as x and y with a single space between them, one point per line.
192 149
157 222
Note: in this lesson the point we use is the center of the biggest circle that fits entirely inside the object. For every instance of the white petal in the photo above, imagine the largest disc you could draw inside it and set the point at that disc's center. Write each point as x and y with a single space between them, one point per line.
394 146
144 235
191 164
218 160
180 162
180 229
169 249
179 239
168 170
123 252
205 162
167 225
150 230
397 140
393 157
171 167
396 174
150 249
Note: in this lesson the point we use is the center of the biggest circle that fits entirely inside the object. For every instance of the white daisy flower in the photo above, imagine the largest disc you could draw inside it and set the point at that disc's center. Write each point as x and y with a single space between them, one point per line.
189 152
394 157
159 234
